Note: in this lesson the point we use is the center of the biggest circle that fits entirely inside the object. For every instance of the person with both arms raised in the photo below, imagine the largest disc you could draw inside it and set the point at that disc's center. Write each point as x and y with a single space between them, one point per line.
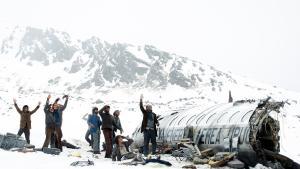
25 121
54 121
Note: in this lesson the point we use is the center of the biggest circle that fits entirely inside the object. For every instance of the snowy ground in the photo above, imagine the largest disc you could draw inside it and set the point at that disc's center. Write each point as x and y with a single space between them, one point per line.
29 87
74 129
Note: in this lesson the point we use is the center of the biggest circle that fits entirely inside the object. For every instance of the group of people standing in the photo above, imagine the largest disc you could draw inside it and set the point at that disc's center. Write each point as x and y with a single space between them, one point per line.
98 119
109 125
53 121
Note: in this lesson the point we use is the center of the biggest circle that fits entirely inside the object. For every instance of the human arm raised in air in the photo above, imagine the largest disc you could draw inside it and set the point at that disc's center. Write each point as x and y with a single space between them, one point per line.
66 97
47 103
37 107
17 107
141 105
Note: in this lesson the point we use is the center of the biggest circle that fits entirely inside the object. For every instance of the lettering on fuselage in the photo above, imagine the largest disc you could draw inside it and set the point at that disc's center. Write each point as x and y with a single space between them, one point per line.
214 135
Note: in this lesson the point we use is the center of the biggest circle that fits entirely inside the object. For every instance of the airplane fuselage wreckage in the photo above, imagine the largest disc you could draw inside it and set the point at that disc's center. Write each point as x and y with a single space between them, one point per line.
245 127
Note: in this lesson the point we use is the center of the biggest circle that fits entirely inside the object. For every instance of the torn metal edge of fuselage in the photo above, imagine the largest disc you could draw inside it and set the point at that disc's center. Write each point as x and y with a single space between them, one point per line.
258 123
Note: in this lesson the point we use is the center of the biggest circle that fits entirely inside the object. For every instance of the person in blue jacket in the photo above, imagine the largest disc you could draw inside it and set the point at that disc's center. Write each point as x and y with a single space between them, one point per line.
95 123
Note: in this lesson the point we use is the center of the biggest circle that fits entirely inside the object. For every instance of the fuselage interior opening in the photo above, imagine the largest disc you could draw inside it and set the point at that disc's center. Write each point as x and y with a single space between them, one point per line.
268 134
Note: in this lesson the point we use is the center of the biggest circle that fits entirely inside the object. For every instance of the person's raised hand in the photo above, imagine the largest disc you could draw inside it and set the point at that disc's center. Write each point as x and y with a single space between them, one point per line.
65 97
49 96
142 96
15 101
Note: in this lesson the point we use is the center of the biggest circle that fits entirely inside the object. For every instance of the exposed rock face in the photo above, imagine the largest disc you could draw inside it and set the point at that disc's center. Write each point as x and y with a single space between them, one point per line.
102 64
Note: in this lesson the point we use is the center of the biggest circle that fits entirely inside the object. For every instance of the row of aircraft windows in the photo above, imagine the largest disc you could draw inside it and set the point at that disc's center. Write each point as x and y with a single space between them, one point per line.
201 117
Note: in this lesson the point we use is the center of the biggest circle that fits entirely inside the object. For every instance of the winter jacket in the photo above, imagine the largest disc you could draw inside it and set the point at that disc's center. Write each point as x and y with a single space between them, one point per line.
145 118
107 120
94 121
122 150
118 125
49 117
25 120
58 114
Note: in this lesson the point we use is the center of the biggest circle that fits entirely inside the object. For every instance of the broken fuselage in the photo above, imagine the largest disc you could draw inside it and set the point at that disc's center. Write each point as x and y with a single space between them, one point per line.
229 127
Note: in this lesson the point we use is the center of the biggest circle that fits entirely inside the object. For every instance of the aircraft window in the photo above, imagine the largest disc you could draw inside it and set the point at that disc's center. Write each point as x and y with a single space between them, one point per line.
160 118
243 118
210 117
233 115
200 118
221 116
181 120
190 119
174 113
173 120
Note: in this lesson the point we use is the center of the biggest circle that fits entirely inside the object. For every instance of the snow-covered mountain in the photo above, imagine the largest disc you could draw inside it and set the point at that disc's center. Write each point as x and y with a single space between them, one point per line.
35 62
77 66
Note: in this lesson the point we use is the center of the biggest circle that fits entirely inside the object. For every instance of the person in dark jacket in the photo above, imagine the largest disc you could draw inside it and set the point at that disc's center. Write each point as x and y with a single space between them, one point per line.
94 123
148 127
25 121
117 124
54 121
49 121
58 114
107 127
121 149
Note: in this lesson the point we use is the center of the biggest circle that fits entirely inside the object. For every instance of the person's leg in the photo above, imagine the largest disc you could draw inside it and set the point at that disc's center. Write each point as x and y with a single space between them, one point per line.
114 153
20 132
108 142
105 133
113 137
53 142
59 136
146 142
96 144
87 135
27 135
129 155
153 141
109 146
48 136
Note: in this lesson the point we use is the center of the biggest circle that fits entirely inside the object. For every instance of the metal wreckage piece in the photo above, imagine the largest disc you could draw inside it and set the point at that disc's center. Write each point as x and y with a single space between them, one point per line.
244 129
10 141
13 142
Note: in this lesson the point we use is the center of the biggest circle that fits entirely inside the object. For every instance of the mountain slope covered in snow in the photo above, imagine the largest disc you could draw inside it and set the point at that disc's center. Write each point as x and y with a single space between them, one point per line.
35 62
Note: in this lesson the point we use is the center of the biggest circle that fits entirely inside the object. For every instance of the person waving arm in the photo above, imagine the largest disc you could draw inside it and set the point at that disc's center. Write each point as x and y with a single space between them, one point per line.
66 102
17 107
47 103
141 105
37 107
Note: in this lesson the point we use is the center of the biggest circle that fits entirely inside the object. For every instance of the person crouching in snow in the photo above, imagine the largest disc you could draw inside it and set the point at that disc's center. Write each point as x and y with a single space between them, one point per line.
25 121
121 149
94 123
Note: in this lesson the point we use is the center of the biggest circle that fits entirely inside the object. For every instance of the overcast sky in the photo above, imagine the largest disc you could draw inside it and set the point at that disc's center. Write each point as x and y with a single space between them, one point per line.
259 39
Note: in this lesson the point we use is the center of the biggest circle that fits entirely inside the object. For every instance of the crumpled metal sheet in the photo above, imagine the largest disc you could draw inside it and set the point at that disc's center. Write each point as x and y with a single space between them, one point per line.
10 141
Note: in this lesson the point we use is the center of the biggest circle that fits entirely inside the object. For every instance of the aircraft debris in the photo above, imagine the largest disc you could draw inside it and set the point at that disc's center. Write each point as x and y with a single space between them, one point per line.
10 141
245 129
82 163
